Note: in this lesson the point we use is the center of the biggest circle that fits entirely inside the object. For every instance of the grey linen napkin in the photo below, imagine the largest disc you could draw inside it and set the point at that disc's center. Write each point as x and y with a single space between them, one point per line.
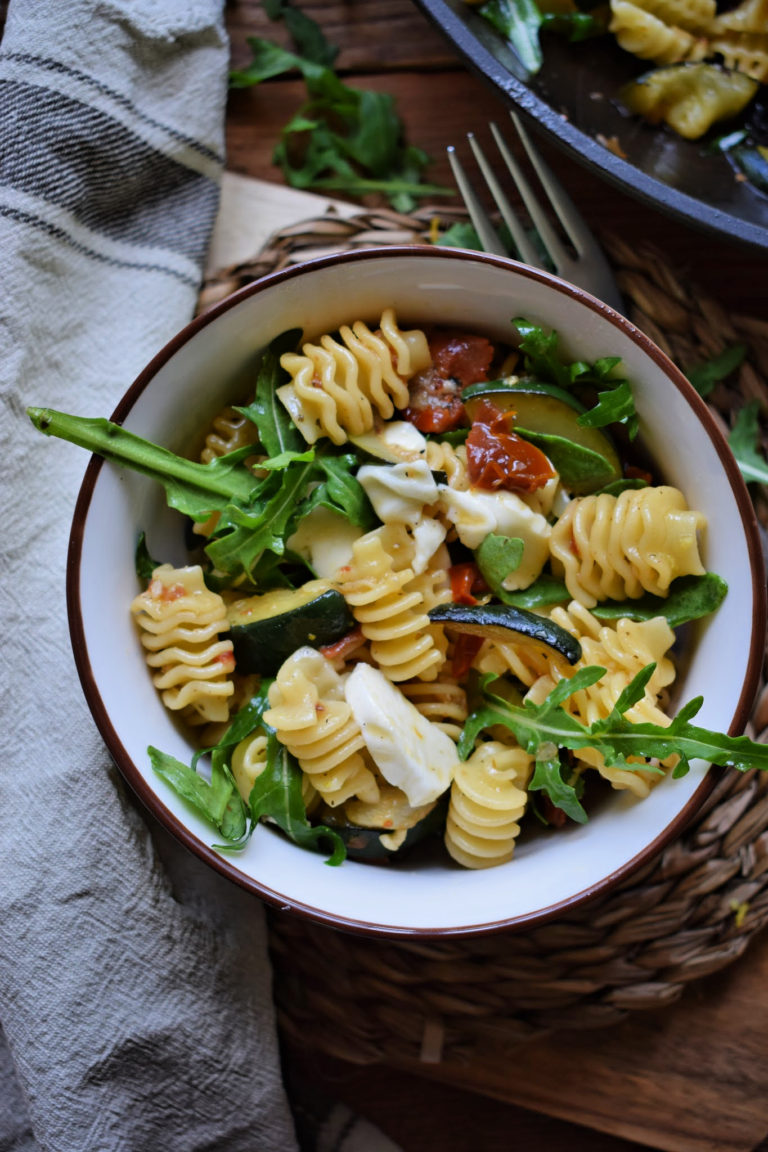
135 992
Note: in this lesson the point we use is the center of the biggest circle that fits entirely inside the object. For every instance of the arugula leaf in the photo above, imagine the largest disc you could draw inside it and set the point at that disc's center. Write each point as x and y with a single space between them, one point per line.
461 234
519 22
576 26
743 439
543 729
542 359
244 532
548 778
343 139
277 433
219 802
341 491
705 376
306 33
614 406
194 489
277 795
690 598
496 557
545 590
143 562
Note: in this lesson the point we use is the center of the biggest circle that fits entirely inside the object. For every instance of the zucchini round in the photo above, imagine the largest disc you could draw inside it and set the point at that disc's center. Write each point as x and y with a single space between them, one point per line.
508 625
266 629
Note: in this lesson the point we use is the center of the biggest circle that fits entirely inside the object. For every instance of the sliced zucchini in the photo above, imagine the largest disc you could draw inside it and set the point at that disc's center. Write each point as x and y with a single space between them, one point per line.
585 458
266 629
386 829
507 625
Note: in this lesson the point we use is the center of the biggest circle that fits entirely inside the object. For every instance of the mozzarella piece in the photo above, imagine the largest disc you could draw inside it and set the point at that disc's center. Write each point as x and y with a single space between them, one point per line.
409 751
402 437
427 536
476 512
324 538
398 492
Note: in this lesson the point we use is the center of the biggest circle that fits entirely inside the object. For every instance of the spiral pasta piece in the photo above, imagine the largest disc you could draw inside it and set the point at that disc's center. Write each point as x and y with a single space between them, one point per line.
618 547
488 798
390 604
314 722
180 623
745 52
443 701
229 431
249 759
338 386
441 456
646 35
623 649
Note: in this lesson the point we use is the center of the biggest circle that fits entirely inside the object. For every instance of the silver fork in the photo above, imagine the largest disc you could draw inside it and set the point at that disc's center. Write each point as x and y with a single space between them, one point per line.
588 269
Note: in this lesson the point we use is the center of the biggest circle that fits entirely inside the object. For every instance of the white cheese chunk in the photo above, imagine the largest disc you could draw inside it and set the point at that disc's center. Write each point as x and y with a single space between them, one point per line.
428 535
324 539
398 492
409 751
477 512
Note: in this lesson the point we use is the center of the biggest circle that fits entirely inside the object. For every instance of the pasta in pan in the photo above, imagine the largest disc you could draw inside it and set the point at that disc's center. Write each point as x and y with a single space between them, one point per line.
388 645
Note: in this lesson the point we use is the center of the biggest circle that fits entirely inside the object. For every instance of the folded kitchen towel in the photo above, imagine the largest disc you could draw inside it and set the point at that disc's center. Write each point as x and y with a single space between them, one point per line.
135 994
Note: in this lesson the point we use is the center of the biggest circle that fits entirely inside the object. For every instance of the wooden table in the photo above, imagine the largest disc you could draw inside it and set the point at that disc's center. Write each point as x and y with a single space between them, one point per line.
690 1078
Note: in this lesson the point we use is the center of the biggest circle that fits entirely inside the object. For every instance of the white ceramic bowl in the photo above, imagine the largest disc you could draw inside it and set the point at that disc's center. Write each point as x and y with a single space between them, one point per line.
203 368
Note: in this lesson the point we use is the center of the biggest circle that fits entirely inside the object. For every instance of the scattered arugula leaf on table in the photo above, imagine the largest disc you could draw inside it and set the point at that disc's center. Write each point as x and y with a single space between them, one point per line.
342 139
743 439
705 376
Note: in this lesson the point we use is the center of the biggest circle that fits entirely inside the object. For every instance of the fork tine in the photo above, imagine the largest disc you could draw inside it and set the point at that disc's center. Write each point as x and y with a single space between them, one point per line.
567 214
485 230
549 237
525 248
600 280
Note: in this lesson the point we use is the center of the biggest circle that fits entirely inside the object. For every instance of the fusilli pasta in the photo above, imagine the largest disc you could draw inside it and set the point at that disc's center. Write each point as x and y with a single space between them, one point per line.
614 547
488 799
339 385
388 602
312 719
623 649
181 622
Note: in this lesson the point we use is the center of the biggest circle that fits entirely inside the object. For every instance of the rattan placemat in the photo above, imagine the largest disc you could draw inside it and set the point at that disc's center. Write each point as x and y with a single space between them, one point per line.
686 915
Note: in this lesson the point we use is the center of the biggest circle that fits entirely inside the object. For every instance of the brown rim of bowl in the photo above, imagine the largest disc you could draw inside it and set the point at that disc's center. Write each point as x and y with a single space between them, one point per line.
152 801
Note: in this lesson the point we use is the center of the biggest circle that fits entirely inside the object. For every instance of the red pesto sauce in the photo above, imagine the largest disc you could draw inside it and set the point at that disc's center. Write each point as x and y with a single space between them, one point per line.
496 456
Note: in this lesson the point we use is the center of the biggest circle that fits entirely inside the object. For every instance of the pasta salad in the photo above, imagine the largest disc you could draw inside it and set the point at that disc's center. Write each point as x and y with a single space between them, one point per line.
435 592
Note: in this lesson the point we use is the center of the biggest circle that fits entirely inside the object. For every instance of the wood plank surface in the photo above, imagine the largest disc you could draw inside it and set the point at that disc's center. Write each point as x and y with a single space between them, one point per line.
694 1076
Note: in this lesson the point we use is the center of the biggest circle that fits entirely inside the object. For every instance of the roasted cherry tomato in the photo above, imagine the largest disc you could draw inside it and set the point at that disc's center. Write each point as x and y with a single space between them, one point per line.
465 648
458 359
498 458
466 580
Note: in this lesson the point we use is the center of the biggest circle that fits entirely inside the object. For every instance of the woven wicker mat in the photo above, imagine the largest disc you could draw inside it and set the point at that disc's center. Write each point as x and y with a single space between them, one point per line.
685 915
